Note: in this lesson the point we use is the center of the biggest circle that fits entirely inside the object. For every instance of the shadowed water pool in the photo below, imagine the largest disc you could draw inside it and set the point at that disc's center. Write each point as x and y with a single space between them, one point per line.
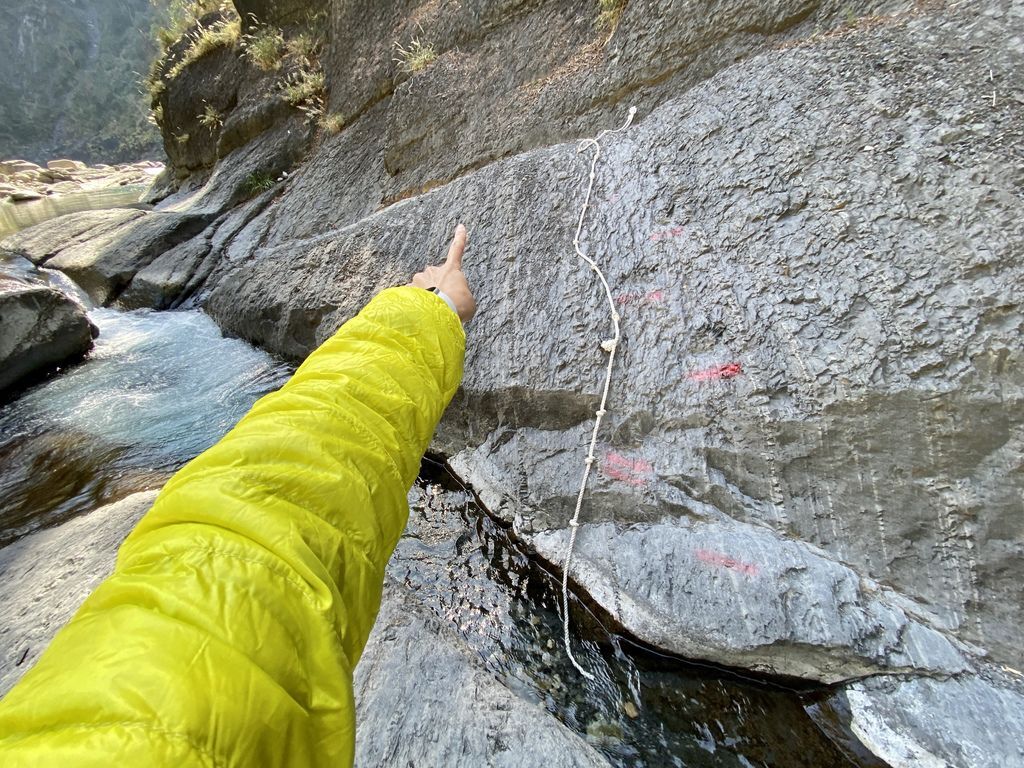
157 389
643 709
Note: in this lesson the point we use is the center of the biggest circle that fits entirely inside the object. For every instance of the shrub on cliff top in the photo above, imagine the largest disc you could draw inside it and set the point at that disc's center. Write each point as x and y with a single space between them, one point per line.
176 16
205 40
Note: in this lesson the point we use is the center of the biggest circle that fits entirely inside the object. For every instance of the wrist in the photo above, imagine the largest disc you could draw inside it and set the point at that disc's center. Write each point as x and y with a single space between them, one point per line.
446 298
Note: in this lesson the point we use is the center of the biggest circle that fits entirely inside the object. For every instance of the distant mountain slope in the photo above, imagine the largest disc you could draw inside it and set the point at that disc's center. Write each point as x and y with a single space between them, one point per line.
69 80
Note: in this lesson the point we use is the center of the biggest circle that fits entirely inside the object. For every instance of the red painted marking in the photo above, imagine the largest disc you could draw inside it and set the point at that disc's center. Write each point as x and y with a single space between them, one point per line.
662 234
626 470
657 296
726 371
711 557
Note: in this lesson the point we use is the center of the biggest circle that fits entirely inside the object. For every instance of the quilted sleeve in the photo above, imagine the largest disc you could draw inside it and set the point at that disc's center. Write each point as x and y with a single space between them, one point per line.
228 632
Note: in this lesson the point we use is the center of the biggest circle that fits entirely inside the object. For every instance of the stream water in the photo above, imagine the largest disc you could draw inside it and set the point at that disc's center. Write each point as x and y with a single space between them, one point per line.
15 216
160 387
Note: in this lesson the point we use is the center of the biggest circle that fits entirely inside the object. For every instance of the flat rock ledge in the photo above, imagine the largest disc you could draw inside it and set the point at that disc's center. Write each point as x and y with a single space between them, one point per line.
741 595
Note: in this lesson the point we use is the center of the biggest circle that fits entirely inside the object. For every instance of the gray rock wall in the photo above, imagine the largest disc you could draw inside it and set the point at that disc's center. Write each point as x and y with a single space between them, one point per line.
813 233
813 253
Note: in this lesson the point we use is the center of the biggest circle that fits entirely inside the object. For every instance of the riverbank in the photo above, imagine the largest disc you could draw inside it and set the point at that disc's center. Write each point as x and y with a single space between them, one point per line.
21 180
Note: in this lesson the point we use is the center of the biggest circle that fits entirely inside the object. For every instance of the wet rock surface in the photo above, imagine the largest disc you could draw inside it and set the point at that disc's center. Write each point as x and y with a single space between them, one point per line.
413 669
102 250
737 594
44 577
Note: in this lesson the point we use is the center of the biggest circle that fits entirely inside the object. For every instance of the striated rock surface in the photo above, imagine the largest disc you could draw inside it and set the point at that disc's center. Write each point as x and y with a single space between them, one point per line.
927 723
812 253
736 593
811 461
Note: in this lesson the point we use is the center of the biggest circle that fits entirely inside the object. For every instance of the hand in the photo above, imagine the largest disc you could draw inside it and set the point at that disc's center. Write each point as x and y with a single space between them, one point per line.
450 279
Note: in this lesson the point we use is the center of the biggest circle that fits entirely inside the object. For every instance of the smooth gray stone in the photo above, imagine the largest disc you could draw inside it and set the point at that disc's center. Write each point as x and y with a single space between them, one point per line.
41 328
971 720
741 595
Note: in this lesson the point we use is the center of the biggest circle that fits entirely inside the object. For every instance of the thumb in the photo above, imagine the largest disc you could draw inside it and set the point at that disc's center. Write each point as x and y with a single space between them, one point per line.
456 248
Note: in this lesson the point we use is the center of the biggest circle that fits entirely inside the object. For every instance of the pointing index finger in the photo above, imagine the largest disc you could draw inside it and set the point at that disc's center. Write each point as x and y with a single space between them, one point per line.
457 247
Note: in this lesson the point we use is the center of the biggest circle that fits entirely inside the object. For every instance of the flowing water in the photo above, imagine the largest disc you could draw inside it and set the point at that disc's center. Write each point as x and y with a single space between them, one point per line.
157 389
15 216
643 709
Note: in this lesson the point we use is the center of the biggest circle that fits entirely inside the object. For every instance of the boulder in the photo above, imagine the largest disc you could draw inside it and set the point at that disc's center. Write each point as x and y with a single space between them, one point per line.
11 167
742 596
20 195
66 165
40 329
102 250
969 720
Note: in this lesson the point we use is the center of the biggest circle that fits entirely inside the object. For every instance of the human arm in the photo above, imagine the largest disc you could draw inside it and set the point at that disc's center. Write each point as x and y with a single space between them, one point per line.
240 604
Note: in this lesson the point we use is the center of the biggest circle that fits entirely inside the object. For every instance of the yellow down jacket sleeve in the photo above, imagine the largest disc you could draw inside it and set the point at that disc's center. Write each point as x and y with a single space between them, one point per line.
229 629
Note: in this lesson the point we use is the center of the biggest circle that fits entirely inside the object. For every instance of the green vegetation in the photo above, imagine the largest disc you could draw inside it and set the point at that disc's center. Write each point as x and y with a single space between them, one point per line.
205 40
610 12
417 57
182 138
305 88
69 86
211 118
332 122
264 48
175 17
257 183
303 46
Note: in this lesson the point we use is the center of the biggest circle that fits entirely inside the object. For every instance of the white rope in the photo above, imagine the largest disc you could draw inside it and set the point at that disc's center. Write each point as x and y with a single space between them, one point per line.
609 346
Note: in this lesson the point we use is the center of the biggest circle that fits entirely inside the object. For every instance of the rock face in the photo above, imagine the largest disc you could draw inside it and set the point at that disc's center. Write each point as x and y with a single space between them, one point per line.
813 235
40 329
812 253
